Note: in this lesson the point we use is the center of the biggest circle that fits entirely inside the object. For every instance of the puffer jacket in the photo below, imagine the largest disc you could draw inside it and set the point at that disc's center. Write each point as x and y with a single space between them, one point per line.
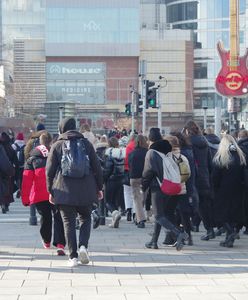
34 189
114 164
72 191
213 143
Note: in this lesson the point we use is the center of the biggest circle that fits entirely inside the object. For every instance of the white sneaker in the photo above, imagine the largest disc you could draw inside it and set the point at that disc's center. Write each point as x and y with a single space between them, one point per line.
116 220
73 262
83 255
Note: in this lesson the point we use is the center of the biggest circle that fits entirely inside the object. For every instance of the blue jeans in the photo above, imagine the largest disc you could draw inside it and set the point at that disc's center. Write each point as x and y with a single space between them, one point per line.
69 214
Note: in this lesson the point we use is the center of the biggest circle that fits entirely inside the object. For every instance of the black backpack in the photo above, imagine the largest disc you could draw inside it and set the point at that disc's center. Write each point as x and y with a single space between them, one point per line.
20 154
75 161
119 165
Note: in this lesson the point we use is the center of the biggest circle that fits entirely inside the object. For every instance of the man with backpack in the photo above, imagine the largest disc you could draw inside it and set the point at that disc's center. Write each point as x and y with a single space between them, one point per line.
19 146
74 180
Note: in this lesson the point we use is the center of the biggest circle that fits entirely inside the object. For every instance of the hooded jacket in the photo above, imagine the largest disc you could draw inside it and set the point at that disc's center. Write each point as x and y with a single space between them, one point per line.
34 189
203 163
72 191
243 144
154 166
114 164
213 143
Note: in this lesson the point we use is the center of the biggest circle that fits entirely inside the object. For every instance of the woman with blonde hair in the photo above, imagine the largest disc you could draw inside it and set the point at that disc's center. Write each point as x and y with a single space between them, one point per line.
227 176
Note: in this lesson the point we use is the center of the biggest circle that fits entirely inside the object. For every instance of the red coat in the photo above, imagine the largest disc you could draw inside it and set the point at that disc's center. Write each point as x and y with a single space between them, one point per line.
34 187
130 147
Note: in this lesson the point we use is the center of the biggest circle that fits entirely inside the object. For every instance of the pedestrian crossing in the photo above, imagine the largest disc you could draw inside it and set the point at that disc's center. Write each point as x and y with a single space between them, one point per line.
17 213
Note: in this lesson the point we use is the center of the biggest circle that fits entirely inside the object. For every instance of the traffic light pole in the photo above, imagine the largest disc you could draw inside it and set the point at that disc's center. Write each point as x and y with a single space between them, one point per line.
159 109
132 109
143 97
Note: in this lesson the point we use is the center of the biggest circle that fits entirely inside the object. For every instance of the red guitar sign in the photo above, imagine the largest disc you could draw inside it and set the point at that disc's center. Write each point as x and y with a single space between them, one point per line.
232 80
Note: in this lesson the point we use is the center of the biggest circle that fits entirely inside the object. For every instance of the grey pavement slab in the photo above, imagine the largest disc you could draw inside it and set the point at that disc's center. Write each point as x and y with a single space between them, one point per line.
121 268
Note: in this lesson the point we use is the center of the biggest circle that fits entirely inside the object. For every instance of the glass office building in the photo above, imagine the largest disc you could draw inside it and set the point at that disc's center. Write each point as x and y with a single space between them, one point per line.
209 21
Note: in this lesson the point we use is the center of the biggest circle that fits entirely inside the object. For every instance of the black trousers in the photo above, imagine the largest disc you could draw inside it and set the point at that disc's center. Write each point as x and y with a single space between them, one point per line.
185 211
50 215
114 197
164 208
69 214
205 211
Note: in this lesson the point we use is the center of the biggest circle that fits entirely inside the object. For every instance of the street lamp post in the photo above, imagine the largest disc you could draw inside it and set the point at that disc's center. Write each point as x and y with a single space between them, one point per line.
205 117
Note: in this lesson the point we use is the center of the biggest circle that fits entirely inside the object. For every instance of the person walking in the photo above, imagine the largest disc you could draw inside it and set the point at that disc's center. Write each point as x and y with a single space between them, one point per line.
163 205
128 195
6 172
74 185
183 199
136 161
12 182
228 177
113 178
34 191
243 144
88 134
203 164
18 146
213 140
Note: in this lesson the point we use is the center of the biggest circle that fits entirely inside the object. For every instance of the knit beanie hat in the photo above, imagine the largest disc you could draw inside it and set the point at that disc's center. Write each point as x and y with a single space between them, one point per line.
20 136
154 134
40 127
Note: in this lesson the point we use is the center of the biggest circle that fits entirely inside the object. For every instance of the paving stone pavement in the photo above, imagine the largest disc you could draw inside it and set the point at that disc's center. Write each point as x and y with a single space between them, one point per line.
120 268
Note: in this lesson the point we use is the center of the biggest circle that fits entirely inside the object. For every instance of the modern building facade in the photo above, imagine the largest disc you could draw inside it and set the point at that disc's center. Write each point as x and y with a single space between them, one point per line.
85 55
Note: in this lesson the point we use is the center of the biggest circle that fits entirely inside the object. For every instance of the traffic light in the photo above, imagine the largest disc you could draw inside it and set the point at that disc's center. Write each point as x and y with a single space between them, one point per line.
139 103
128 110
151 94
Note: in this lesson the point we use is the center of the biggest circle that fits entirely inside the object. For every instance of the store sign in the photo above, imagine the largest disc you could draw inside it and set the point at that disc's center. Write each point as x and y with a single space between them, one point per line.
91 26
56 69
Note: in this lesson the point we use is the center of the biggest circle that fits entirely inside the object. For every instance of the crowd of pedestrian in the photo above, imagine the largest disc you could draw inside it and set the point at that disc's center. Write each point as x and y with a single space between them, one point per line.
181 179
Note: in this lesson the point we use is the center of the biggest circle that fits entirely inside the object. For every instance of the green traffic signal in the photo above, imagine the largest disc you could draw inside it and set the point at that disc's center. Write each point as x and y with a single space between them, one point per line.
128 110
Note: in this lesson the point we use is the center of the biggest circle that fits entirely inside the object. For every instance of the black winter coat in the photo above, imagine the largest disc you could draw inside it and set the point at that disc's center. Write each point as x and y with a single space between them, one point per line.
243 144
73 191
203 163
6 171
228 189
136 162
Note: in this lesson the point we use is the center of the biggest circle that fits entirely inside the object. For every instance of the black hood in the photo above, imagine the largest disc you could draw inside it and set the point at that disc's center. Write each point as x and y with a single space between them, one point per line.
213 139
67 124
71 134
243 142
199 141
162 146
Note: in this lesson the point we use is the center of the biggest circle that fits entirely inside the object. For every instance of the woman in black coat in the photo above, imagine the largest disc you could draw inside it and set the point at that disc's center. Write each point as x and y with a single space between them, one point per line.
12 181
228 170
163 205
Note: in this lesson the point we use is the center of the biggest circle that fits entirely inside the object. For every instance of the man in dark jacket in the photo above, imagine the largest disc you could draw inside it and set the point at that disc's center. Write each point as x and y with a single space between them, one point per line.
203 164
74 195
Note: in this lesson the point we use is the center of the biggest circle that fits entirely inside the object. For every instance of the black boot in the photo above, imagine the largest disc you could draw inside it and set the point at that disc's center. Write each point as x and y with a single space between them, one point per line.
219 231
129 214
190 240
210 235
153 244
230 236
170 239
